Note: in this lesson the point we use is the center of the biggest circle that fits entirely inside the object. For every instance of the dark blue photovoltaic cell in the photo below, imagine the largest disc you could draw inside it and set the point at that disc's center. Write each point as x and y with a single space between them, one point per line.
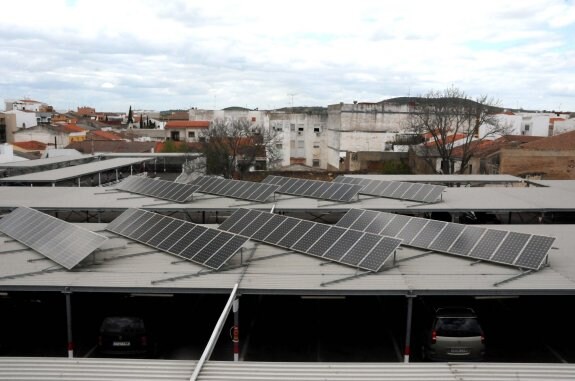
284 228
366 218
467 239
380 253
411 229
428 233
308 239
255 224
510 247
349 218
395 225
297 232
358 252
326 241
233 219
343 244
487 244
447 237
534 252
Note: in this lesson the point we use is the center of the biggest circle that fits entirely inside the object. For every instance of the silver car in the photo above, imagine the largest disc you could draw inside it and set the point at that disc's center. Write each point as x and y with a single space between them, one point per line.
455 335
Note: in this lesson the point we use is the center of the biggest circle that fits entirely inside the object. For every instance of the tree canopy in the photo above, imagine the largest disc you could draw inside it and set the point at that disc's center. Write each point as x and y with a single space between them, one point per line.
454 124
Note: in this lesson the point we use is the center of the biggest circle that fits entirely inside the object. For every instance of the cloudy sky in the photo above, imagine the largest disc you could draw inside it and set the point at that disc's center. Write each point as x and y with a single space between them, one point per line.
168 54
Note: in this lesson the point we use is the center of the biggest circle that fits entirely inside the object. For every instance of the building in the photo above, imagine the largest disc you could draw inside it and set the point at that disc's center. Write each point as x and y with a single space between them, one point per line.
190 131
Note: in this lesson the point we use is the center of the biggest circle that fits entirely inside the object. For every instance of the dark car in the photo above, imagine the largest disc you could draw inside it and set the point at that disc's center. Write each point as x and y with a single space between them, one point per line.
123 335
455 334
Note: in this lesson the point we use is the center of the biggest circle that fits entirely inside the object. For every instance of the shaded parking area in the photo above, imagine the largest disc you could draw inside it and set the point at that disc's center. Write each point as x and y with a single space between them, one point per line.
284 328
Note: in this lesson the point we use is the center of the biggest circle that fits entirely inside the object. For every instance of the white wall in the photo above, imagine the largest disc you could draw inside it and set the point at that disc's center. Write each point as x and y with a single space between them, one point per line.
24 119
561 126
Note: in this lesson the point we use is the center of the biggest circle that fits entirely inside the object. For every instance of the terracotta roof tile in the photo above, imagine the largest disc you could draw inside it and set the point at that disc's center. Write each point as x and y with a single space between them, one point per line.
561 142
105 135
31 145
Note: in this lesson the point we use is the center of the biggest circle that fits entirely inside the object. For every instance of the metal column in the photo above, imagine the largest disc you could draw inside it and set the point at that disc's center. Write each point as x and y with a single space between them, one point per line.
236 329
68 294
407 350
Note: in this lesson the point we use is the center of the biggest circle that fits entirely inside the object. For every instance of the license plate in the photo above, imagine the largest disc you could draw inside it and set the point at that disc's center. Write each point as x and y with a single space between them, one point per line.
121 343
459 351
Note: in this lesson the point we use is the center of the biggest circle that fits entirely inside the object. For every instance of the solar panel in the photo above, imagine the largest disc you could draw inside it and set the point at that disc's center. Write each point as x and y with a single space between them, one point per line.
317 189
266 229
60 241
396 189
331 242
379 254
349 218
366 218
162 189
487 244
199 244
411 229
284 228
245 190
428 233
253 226
379 223
308 239
534 252
233 219
395 225
245 220
447 237
358 252
509 248
343 244
295 234
321 246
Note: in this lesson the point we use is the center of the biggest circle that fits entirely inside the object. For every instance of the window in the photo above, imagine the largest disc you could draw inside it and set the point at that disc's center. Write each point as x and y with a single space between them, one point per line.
300 144
175 135
202 139
315 163
315 144
317 130
292 127
191 134
526 127
279 146
292 145
253 118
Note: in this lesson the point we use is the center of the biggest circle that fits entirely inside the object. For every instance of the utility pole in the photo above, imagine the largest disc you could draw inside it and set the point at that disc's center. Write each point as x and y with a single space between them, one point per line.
292 95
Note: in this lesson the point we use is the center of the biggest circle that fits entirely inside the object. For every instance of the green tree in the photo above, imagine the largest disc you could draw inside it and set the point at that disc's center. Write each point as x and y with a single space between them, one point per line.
233 147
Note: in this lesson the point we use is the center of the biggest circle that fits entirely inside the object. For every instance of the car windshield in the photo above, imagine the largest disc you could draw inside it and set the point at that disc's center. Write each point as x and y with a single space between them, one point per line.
457 327
122 325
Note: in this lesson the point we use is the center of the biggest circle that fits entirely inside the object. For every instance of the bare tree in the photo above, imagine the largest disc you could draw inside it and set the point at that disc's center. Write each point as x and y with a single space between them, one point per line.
455 124
232 147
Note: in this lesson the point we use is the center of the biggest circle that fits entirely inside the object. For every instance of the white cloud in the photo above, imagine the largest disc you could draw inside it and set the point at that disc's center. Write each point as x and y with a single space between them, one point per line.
174 54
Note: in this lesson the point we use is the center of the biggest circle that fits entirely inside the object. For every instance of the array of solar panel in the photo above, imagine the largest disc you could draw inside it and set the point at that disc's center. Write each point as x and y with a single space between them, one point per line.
60 241
358 249
316 189
245 190
166 190
209 247
509 248
396 189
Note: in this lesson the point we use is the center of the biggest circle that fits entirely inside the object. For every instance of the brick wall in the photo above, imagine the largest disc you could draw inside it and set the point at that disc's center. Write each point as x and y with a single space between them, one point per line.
553 165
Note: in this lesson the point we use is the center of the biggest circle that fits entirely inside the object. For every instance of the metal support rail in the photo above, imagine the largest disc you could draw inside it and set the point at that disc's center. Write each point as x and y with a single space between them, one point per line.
215 334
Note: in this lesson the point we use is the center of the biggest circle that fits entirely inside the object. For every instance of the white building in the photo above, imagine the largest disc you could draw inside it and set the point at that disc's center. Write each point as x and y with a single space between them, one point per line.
24 119
25 105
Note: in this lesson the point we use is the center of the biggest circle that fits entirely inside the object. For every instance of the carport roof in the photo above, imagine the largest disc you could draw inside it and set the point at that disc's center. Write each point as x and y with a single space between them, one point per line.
46 368
66 173
557 196
126 266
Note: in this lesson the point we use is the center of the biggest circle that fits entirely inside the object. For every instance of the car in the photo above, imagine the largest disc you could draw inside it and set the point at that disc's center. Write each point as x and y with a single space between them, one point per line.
455 334
124 336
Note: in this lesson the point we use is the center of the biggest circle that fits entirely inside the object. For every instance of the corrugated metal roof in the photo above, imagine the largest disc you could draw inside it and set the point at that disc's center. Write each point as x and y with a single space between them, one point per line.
502 199
42 162
49 369
133 267
74 171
